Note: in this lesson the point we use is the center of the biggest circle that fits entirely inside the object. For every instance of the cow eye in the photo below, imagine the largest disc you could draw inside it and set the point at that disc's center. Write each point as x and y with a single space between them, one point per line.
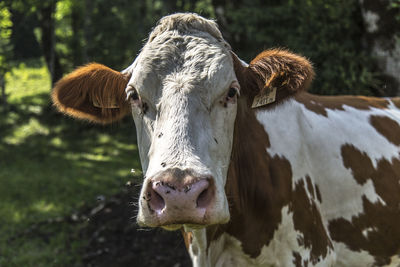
133 95
232 92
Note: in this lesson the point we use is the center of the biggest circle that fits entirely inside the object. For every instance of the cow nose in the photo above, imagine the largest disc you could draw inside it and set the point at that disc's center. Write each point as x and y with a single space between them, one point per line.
189 196
178 197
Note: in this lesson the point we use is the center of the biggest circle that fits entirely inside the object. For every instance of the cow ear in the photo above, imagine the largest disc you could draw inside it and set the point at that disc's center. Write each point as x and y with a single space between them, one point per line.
274 75
93 92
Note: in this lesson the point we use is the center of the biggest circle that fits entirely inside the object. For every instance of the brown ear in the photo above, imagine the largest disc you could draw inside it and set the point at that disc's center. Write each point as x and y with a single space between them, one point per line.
93 92
274 75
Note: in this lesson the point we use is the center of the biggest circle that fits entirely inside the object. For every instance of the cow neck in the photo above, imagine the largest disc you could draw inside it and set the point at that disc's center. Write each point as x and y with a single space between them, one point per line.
257 186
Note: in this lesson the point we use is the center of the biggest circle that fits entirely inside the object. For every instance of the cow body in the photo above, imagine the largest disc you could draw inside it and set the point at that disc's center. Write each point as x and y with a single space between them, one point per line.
253 169
342 191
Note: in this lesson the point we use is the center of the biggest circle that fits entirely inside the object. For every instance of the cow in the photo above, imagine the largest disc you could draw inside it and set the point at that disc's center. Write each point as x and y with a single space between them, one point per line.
253 169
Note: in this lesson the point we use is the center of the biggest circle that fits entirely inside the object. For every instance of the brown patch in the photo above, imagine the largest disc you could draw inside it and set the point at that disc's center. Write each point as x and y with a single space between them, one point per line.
188 237
76 94
384 219
256 209
310 186
320 104
387 127
307 220
278 68
255 194
358 162
213 232
258 185
297 259
318 194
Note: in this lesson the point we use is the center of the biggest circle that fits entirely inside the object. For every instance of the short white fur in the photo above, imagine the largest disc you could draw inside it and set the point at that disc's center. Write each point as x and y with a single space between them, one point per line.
182 74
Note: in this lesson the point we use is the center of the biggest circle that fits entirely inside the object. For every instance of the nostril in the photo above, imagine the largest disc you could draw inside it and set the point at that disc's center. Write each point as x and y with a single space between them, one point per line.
204 199
166 197
156 201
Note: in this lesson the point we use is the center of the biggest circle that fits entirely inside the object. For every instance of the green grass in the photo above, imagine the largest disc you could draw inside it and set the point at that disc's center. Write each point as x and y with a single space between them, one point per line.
51 165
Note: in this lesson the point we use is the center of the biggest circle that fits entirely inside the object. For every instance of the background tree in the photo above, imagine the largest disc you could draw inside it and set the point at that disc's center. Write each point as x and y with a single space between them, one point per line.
43 12
332 33
46 12
23 39
329 32
382 36
5 49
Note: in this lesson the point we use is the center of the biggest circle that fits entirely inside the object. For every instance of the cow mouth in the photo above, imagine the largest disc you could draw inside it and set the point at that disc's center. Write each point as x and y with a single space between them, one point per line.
174 227
173 224
176 224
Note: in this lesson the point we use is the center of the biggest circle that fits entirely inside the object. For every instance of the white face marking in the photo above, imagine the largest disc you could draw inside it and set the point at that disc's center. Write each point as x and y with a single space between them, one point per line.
184 80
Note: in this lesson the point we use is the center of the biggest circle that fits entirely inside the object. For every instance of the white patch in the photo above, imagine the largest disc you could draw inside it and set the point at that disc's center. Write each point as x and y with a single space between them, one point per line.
394 261
312 143
368 230
227 250
392 110
198 247
347 257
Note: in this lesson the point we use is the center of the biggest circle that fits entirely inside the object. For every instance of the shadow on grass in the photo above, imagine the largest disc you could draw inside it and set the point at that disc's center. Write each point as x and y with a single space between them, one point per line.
53 166
52 159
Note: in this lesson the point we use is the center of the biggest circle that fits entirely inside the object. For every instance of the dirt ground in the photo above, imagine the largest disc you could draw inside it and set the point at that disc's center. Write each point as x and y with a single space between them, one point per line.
116 241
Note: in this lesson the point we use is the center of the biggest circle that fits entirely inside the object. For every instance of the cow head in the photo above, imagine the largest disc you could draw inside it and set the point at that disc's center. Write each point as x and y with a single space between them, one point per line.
182 91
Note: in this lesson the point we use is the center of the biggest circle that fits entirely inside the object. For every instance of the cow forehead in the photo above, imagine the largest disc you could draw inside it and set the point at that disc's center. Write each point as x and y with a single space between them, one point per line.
194 62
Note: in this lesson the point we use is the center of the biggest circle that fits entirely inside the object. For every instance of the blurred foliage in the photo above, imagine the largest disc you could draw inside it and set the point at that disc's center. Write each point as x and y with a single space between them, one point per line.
50 166
395 4
112 35
5 34
329 32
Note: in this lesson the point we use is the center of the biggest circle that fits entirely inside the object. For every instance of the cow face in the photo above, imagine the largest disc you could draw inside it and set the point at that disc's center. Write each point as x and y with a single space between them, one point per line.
182 91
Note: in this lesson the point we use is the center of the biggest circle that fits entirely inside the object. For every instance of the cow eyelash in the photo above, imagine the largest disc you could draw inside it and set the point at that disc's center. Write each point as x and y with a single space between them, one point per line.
232 92
133 95
136 100
230 96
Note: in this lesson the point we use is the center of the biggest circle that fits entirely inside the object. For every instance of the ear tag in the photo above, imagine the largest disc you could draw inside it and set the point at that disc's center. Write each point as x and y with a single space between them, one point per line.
266 96
112 104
